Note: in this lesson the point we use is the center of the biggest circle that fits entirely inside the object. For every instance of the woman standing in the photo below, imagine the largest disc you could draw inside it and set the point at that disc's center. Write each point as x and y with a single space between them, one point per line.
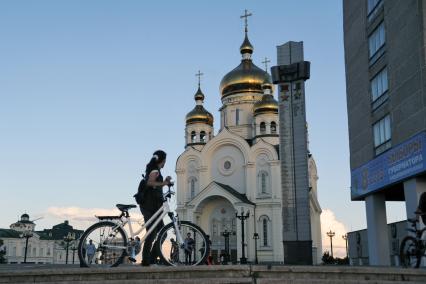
153 200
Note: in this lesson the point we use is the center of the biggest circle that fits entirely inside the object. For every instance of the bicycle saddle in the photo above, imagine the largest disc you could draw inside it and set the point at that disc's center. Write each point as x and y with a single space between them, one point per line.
124 207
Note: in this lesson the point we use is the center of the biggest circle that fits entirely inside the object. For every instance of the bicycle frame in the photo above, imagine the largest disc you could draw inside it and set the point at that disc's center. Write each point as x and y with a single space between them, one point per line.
155 219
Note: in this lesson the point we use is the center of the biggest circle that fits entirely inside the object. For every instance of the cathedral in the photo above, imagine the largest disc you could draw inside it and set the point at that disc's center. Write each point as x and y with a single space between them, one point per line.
237 170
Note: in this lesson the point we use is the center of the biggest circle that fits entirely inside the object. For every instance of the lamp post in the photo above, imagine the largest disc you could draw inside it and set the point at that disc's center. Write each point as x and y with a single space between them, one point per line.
67 239
242 217
26 235
331 235
255 237
345 237
73 248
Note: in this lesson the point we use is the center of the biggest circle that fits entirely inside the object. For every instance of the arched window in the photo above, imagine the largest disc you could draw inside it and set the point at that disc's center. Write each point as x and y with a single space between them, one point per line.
193 137
263 177
264 226
273 127
237 117
192 188
262 127
203 136
265 232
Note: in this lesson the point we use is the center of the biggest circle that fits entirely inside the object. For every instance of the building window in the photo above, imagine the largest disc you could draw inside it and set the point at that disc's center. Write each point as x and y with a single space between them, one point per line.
265 232
203 136
193 137
192 188
41 252
237 117
379 86
263 182
373 7
262 128
382 135
376 42
273 127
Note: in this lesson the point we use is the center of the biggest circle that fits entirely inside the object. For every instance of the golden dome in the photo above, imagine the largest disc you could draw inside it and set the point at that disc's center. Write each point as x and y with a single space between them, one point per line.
246 77
199 114
267 104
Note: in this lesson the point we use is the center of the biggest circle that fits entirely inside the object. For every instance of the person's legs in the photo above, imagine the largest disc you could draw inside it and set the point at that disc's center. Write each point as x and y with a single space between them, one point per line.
146 251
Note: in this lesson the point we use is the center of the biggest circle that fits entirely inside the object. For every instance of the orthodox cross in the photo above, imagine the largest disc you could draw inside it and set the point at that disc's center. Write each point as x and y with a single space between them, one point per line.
199 74
266 61
245 16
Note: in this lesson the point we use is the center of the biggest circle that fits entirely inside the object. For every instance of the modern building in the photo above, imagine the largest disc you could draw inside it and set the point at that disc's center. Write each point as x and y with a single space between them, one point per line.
238 169
386 101
48 246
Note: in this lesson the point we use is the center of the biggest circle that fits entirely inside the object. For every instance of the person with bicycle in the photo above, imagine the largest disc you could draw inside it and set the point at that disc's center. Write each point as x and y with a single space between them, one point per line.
152 201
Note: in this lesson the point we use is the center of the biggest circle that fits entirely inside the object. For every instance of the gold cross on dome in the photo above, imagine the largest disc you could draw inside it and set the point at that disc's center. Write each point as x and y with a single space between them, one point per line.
245 16
266 61
199 74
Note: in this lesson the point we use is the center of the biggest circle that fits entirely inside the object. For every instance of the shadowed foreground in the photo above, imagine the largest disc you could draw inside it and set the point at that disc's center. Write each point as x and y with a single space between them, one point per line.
210 274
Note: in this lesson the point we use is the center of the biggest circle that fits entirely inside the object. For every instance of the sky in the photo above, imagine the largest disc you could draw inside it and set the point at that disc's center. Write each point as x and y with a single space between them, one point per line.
90 89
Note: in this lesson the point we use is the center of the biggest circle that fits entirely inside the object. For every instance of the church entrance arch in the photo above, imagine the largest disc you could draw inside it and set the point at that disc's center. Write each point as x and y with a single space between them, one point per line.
216 215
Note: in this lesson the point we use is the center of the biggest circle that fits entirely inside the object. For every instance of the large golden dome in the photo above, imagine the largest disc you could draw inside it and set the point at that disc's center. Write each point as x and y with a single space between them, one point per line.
199 114
246 77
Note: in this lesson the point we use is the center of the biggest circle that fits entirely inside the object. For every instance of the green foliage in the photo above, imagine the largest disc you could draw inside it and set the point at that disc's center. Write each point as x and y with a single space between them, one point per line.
327 259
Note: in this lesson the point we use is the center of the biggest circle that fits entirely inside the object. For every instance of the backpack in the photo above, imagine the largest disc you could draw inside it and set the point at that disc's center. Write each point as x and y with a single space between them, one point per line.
139 196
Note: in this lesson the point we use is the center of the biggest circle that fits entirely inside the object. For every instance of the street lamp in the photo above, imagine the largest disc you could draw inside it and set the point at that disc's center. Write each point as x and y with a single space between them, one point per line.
67 239
255 237
73 248
226 235
331 235
242 217
26 235
345 237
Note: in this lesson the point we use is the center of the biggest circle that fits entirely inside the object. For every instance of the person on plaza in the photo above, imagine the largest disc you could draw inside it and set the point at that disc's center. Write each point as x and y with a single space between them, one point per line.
174 251
135 248
152 201
188 247
90 251
421 208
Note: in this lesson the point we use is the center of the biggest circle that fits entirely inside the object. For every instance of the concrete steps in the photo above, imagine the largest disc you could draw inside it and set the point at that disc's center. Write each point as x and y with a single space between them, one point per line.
214 274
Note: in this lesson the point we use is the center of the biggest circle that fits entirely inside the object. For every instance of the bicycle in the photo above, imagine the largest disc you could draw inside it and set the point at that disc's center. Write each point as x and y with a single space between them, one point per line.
113 243
413 249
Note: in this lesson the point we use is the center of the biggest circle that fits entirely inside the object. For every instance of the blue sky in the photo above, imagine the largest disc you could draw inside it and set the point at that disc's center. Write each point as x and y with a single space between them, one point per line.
89 89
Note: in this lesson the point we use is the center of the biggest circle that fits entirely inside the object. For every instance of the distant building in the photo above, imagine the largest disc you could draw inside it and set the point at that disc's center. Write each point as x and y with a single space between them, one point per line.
386 99
47 246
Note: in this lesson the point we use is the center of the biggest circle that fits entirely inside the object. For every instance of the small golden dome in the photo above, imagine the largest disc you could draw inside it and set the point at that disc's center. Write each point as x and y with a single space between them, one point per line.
246 46
199 114
266 105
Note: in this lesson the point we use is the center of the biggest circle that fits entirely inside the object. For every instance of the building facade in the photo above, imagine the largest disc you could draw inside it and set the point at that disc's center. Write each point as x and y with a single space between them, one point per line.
238 169
386 101
47 246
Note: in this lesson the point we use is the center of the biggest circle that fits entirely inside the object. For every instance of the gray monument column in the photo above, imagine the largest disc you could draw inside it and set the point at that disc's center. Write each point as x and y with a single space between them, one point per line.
290 74
377 230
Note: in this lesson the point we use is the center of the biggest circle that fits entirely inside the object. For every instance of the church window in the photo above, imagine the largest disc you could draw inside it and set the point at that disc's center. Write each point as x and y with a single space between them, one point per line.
192 188
193 137
214 229
14 251
210 135
34 252
262 127
273 127
265 232
227 165
203 136
41 251
263 182
48 251
237 117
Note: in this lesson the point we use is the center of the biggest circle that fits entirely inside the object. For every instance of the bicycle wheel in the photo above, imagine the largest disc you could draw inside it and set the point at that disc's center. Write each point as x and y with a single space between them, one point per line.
409 253
174 253
102 244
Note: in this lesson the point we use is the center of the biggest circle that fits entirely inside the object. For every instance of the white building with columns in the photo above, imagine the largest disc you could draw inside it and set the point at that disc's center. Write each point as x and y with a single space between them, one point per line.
238 169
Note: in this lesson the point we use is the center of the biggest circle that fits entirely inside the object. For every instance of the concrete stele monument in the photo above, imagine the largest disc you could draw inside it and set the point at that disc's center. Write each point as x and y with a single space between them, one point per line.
290 74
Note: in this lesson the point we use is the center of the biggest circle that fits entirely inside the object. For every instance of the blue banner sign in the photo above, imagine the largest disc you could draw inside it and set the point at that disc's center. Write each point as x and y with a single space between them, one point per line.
403 161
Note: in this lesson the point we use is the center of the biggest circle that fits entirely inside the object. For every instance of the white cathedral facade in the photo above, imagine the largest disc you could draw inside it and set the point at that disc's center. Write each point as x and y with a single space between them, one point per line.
238 169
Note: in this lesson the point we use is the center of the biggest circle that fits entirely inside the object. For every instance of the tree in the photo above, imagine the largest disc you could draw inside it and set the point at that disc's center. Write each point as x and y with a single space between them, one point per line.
327 258
2 252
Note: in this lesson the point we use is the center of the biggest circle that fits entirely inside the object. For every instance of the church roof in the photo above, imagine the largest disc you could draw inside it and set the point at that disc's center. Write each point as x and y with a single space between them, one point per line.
9 233
235 193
